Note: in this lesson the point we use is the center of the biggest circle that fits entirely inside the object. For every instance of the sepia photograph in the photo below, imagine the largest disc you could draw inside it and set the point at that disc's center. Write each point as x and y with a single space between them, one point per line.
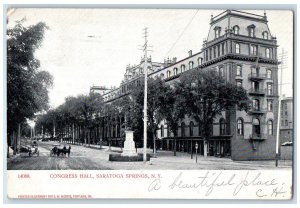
123 89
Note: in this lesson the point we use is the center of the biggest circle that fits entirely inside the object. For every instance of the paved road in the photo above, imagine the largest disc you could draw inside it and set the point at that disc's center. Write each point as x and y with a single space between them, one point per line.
79 160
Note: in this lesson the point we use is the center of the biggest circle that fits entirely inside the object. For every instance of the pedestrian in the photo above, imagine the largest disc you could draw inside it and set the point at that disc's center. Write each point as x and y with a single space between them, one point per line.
69 150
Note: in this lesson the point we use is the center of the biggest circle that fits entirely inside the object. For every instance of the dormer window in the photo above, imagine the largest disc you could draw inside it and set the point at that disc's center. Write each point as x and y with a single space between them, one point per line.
217 32
236 30
265 35
182 68
191 65
251 30
175 71
168 74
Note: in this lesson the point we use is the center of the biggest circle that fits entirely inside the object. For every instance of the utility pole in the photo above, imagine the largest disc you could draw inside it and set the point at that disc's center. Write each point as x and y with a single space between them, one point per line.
145 49
279 111
145 95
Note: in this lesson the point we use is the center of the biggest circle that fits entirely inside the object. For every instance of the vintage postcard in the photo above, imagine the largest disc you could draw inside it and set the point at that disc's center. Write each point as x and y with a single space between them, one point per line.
145 103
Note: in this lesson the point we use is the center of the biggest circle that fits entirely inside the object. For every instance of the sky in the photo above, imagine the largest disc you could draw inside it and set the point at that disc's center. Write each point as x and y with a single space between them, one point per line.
86 47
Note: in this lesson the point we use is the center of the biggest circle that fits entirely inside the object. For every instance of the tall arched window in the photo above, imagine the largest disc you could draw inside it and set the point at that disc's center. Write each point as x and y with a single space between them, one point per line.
222 126
240 127
267 53
237 48
182 68
175 71
191 128
168 74
265 35
162 131
270 127
269 73
191 65
182 129
236 30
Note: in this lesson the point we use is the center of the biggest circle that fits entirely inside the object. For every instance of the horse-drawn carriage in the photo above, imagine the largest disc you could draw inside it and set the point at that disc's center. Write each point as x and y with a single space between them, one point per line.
58 150
33 150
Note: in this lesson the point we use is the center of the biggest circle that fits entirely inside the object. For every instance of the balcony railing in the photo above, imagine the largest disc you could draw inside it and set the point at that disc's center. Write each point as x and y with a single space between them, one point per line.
253 91
256 111
254 76
256 136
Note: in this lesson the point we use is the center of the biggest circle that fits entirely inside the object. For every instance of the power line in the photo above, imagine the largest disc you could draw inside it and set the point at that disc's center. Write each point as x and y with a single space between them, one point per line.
182 33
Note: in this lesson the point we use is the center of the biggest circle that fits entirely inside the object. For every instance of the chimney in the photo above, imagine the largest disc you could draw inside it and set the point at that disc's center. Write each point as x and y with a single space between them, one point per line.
190 53
174 60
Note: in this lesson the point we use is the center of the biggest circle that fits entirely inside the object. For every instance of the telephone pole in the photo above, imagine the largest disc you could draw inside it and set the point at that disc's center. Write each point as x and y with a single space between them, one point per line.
145 49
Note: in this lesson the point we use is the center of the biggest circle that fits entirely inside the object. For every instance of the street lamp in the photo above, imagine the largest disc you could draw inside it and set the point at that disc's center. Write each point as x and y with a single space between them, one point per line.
31 123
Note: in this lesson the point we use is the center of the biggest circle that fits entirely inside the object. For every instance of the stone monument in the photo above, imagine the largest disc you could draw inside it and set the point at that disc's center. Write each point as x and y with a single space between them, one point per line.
129 145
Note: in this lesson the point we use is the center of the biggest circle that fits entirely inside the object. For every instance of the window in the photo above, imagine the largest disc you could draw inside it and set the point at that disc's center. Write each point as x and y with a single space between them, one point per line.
239 83
282 122
269 73
238 70
265 35
270 88
253 49
223 48
221 72
270 105
162 131
254 71
267 53
200 60
236 30
191 128
285 106
191 65
182 129
240 127
214 52
255 86
162 76
182 68
237 48
168 74
270 127
222 126
218 50
255 104
251 30
286 122
210 52
256 127
286 113
175 71
217 32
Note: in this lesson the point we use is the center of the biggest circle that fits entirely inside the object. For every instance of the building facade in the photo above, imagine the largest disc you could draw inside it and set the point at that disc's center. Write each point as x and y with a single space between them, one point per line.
286 117
241 48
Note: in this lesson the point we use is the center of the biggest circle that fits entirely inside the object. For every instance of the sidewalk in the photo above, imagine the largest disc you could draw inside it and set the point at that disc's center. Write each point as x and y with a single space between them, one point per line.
166 160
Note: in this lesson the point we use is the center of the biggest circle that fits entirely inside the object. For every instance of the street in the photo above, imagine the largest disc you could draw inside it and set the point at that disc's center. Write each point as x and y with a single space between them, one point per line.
94 158
80 159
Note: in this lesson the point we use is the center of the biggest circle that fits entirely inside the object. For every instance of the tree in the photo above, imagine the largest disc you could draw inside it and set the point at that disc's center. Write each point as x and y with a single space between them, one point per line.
205 95
157 91
27 86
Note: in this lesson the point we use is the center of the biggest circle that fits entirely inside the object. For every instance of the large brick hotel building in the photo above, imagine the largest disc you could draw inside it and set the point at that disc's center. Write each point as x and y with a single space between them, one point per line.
240 46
